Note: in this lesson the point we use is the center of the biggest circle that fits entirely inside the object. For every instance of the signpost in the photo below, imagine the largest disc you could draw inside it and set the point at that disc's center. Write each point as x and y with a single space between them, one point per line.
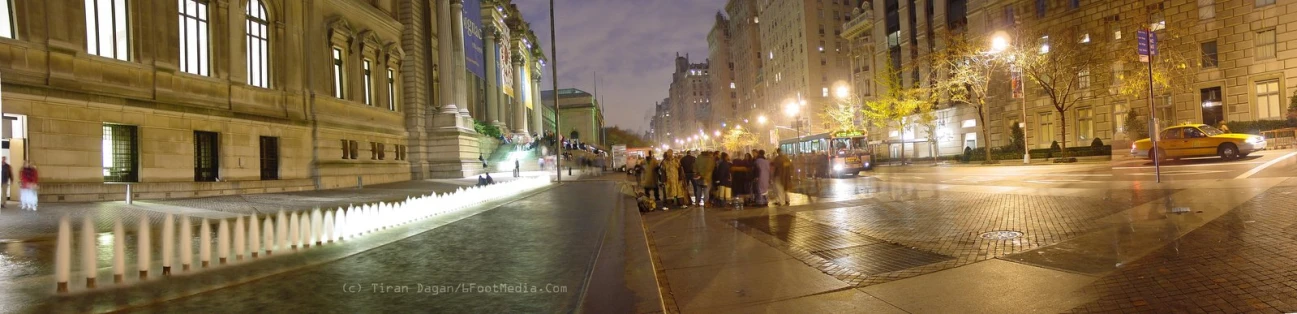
1016 81
1147 49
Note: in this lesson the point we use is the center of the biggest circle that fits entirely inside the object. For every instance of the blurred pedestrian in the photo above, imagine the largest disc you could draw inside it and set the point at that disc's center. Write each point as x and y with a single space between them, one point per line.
674 183
783 177
762 184
29 186
648 177
7 180
703 169
690 177
724 179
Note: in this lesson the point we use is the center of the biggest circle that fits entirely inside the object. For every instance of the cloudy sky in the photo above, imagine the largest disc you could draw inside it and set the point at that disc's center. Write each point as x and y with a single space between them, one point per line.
632 44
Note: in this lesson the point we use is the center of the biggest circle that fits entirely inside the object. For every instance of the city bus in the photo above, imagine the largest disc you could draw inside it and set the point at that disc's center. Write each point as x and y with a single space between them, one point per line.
848 153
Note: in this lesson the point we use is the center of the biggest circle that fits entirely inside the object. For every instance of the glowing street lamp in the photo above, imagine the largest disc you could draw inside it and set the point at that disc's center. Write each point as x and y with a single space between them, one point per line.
761 119
999 42
842 91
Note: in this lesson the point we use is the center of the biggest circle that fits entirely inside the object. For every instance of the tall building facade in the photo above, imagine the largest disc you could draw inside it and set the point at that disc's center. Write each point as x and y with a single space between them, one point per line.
745 52
169 99
1235 73
724 91
689 105
580 112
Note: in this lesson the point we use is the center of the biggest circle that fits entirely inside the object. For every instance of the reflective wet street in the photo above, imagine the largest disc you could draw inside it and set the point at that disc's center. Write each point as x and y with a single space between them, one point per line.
948 238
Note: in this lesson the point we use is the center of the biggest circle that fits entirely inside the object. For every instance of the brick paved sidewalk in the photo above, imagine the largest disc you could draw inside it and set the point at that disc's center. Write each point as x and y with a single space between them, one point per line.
18 225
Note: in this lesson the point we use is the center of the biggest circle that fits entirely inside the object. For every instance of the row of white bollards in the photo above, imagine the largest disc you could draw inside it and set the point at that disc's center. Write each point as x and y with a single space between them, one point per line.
251 235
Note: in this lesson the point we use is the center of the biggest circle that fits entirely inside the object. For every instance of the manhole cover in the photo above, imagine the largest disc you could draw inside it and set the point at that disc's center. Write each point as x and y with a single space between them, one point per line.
1001 235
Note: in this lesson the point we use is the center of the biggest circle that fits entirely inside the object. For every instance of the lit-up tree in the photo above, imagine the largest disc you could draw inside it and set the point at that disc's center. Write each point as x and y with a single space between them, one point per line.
967 65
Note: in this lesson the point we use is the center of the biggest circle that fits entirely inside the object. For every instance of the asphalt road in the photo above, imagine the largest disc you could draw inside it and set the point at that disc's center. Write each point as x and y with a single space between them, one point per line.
1263 164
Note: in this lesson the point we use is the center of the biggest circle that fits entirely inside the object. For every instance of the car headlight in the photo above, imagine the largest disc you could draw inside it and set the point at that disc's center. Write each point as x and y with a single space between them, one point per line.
837 167
1256 140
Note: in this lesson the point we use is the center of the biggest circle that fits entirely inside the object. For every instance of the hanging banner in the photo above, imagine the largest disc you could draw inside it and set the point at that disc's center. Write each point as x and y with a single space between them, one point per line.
1015 79
473 45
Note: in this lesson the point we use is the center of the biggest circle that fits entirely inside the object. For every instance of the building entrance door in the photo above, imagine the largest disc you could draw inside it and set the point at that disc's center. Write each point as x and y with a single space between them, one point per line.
1212 109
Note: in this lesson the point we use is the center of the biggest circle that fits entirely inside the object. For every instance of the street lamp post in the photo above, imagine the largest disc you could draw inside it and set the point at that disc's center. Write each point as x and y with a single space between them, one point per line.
1000 43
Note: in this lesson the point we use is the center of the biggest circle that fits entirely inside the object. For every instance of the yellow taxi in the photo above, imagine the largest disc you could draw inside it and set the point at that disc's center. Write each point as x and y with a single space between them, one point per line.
1198 140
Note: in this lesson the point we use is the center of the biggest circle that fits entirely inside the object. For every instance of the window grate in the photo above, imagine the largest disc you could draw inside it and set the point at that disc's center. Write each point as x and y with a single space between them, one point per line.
269 158
206 156
120 153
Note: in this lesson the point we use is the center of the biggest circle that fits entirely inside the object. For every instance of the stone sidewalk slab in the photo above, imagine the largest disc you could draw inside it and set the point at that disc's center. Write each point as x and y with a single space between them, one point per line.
992 286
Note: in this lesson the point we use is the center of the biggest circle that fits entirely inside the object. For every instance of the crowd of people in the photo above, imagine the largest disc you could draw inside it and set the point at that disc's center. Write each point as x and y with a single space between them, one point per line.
715 178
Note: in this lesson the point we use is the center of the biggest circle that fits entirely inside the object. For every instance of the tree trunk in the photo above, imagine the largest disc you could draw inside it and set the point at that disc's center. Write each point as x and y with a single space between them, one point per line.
1062 118
981 119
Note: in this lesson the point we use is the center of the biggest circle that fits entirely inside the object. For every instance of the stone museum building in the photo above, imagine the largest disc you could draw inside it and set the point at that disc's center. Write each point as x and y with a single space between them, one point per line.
186 98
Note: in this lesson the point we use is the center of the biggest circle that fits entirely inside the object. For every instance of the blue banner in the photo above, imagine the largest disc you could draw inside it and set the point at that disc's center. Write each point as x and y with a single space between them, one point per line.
473 45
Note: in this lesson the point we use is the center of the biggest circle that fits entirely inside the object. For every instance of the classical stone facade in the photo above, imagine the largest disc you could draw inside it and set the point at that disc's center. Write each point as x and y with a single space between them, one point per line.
234 96
580 112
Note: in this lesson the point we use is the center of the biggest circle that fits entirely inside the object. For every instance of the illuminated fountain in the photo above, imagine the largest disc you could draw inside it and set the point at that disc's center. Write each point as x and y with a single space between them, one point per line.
168 243
205 243
186 243
142 250
89 252
240 242
63 255
119 252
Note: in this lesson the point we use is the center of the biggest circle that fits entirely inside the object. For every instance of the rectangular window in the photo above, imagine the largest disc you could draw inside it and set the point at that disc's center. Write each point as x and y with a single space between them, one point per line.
1084 125
369 80
206 156
354 148
6 19
382 151
338 85
194 52
121 153
1209 54
373 151
969 123
1206 9
269 158
1046 136
1083 82
1119 116
1265 44
1268 102
346 149
1262 3
391 90
1073 4
1041 7
107 34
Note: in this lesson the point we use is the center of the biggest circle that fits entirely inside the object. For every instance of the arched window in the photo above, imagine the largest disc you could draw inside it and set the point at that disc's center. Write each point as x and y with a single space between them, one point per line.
194 55
258 45
106 31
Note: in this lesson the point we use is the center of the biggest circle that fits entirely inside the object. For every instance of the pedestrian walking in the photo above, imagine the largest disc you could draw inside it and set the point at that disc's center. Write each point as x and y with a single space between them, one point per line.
674 183
783 177
703 170
7 179
724 179
762 183
29 186
648 177
690 177
517 168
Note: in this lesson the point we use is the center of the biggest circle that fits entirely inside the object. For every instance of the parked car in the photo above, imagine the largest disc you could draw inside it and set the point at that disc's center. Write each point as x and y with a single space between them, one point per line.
1198 140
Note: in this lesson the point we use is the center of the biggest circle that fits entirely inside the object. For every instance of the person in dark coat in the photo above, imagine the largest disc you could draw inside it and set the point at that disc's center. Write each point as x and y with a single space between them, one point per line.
723 179
8 177
687 169
741 170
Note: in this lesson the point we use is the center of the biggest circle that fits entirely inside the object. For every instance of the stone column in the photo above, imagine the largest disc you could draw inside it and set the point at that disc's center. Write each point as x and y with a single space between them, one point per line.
459 67
520 105
537 105
492 76
446 58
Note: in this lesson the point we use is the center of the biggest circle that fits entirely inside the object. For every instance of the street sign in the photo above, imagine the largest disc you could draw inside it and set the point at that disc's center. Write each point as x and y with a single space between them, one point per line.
1147 44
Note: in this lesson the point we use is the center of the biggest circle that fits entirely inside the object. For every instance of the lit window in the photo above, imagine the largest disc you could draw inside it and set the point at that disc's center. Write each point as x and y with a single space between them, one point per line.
1265 44
338 86
6 19
1084 124
193 37
258 45
392 90
1206 9
1268 101
106 31
1044 44
120 153
1085 38
731 85
826 92
969 123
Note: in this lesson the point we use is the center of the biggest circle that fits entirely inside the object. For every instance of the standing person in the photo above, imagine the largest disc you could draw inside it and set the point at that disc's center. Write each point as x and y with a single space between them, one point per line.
648 177
687 167
741 169
674 184
517 168
783 176
724 179
7 180
483 160
762 183
29 186
703 170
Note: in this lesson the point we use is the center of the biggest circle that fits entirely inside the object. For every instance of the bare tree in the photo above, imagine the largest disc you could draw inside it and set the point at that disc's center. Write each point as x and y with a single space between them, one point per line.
1060 62
968 67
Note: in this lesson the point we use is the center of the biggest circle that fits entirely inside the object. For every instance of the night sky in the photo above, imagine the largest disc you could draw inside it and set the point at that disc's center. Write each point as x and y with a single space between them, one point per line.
631 44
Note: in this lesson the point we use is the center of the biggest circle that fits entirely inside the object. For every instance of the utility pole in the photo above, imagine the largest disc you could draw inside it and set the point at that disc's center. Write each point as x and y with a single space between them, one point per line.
553 53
